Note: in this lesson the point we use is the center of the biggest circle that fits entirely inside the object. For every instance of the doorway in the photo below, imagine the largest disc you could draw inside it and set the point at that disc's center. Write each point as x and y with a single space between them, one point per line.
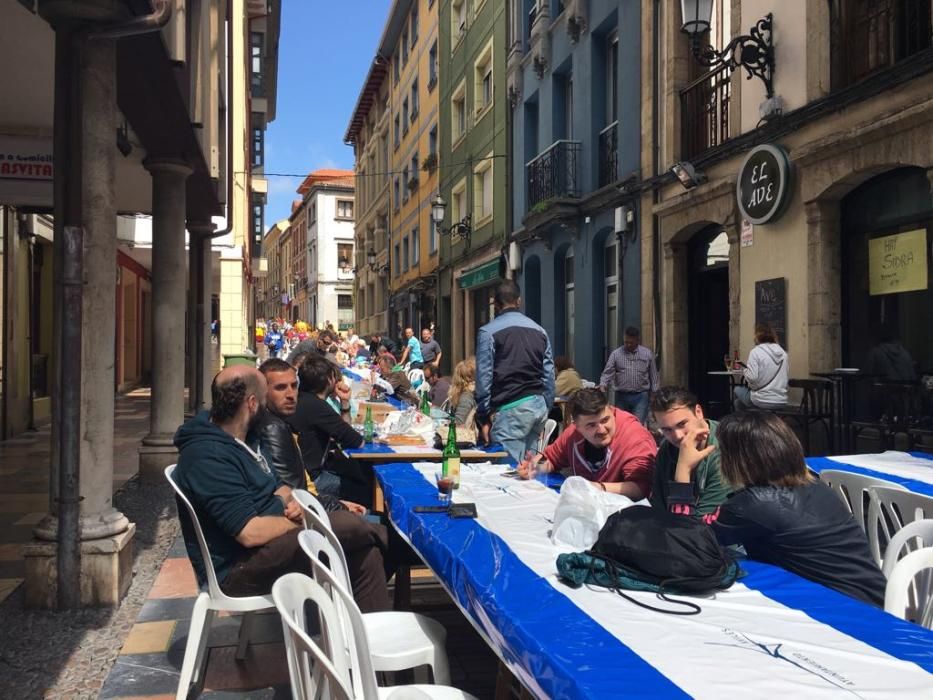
708 318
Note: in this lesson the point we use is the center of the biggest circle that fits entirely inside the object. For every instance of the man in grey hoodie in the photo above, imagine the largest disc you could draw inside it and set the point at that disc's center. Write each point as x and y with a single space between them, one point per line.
765 373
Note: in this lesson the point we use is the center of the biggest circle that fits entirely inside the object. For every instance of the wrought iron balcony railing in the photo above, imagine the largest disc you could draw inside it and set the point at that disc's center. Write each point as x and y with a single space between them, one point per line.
553 172
704 112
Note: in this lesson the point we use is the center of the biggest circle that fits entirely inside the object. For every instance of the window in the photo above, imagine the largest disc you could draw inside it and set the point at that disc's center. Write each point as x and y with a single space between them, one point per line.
457 20
256 45
398 192
258 209
432 239
398 261
398 131
612 79
568 304
414 24
458 104
397 68
344 255
414 167
405 253
405 46
482 80
312 217
415 248
567 98
414 100
344 209
258 146
482 191
611 325
432 141
432 66
405 186
458 204
405 116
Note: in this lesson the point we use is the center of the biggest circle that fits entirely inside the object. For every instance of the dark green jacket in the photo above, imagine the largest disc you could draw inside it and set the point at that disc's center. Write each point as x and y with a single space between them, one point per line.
707 490
227 487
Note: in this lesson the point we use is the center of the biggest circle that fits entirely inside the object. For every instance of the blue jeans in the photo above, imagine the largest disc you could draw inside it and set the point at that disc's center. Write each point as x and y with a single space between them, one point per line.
518 429
636 404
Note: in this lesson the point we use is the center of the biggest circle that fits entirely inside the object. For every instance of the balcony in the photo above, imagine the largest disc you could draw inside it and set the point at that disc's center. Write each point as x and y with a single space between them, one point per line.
553 172
609 154
704 112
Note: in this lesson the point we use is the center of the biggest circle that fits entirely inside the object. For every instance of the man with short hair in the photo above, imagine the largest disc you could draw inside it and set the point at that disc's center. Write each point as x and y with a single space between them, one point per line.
364 544
248 517
632 373
430 349
604 445
686 481
440 385
514 375
275 341
412 351
396 379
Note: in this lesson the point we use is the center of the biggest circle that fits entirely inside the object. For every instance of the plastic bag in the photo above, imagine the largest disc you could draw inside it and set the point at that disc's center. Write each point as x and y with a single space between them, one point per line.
582 511
409 423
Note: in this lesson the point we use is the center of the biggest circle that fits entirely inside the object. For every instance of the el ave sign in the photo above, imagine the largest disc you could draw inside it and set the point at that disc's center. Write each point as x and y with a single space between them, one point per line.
763 186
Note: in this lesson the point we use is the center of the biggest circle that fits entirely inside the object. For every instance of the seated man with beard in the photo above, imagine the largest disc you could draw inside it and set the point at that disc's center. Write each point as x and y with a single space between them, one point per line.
365 544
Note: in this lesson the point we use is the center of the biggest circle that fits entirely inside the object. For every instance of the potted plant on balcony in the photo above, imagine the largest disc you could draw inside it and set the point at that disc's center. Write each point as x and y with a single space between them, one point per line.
429 164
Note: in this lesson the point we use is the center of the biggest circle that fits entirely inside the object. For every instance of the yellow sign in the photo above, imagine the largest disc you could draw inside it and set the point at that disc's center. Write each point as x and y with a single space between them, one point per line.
897 263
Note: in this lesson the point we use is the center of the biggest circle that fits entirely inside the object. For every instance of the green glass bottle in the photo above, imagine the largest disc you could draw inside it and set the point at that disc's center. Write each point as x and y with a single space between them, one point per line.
450 468
369 428
425 404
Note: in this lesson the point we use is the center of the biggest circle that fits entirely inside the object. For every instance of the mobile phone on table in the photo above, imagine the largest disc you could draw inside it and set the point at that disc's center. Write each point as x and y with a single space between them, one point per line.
462 510
430 509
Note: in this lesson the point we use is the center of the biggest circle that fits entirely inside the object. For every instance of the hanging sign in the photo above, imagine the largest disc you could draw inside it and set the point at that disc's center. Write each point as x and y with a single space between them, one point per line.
897 263
763 186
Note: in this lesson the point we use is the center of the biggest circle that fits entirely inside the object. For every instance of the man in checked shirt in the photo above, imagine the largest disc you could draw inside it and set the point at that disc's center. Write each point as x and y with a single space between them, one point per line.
632 373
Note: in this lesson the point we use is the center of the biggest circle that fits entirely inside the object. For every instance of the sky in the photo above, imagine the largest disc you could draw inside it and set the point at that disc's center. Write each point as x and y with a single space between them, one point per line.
325 50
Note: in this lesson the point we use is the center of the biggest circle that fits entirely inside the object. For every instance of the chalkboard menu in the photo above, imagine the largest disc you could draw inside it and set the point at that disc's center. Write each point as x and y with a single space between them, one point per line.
771 306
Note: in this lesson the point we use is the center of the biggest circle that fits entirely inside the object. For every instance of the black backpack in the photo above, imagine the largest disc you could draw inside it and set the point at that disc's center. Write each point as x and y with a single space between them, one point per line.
651 549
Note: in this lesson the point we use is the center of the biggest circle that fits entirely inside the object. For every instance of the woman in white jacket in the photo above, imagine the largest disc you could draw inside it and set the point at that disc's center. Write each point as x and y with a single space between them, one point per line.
765 373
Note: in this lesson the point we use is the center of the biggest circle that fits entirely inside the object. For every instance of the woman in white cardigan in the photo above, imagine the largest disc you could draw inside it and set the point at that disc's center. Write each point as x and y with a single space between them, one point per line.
765 373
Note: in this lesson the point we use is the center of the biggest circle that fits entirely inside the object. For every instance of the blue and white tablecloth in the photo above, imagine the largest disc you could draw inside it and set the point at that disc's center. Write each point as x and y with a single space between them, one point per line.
912 470
773 633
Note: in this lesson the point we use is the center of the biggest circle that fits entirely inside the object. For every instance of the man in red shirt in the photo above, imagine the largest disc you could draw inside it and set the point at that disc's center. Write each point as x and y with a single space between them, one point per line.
605 445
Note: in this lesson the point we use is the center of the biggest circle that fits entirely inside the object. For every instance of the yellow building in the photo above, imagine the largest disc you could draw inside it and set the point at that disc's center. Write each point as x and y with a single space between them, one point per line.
410 45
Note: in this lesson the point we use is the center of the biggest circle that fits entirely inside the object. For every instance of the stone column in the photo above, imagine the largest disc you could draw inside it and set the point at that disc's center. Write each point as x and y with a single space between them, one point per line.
824 261
105 533
199 282
168 317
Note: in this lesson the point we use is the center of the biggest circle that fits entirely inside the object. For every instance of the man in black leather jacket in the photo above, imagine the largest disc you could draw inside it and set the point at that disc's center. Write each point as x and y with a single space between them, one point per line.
364 543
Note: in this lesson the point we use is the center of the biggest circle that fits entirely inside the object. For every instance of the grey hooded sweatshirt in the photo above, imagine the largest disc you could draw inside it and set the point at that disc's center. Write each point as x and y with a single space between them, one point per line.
766 374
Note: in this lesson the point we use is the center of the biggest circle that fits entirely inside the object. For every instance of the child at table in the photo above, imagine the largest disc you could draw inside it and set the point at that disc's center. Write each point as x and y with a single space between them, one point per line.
781 514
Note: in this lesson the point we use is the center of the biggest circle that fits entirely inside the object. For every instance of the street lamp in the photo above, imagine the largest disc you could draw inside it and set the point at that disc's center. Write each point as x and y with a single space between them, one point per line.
753 51
457 231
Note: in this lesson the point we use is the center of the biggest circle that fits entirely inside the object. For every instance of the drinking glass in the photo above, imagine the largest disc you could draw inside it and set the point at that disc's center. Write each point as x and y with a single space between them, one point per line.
445 485
727 361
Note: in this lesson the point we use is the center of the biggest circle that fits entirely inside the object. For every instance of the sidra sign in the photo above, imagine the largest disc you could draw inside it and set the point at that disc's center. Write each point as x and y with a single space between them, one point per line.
763 187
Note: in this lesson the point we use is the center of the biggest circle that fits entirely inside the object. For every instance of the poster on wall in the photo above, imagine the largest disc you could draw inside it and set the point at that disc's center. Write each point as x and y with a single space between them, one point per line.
897 263
26 171
771 306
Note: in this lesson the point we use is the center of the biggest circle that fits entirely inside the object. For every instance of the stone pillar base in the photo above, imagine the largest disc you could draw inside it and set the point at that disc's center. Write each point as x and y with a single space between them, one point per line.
106 571
154 458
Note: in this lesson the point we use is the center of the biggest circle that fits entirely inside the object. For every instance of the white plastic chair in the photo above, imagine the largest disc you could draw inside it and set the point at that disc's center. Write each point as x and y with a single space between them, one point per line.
550 425
908 595
397 640
207 604
889 510
309 503
902 542
416 377
341 667
853 489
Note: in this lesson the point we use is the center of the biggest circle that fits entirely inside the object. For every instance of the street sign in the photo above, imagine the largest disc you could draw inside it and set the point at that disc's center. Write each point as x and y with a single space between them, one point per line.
763 185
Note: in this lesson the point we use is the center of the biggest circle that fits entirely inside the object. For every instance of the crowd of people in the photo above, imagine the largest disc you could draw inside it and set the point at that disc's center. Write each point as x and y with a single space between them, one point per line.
286 425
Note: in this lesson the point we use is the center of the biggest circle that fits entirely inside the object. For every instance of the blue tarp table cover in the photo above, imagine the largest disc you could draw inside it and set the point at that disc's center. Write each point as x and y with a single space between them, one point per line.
561 652
883 466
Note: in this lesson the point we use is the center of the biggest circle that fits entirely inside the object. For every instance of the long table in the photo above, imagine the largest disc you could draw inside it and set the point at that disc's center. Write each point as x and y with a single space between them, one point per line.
912 470
772 633
380 453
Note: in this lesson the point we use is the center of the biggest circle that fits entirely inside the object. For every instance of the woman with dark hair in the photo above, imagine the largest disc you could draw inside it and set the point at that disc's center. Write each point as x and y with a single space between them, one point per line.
782 514
765 373
566 378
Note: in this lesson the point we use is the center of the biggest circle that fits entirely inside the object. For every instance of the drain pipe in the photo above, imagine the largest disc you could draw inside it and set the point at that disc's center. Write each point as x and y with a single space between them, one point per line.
69 259
655 194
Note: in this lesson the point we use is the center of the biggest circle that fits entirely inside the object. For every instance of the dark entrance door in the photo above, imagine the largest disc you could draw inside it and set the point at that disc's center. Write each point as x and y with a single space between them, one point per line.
708 318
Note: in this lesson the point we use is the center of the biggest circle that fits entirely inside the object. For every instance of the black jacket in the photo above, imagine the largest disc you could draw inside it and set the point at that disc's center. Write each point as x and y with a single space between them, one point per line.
320 430
277 444
806 530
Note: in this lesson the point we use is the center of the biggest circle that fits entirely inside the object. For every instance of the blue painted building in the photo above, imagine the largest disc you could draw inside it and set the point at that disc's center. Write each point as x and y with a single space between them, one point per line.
574 82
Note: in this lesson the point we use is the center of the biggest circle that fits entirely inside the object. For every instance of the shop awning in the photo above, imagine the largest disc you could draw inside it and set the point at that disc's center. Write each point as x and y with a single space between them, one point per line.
481 275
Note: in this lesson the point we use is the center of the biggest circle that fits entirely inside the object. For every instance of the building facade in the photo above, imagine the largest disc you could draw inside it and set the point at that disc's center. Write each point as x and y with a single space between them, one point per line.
409 43
474 182
842 260
574 81
327 208
368 133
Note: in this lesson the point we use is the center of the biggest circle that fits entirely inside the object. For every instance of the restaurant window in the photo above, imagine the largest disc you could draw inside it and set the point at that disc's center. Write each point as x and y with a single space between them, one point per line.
870 35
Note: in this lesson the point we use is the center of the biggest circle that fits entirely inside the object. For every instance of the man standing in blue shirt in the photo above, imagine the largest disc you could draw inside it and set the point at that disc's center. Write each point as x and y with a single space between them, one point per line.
275 341
412 352
514 375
